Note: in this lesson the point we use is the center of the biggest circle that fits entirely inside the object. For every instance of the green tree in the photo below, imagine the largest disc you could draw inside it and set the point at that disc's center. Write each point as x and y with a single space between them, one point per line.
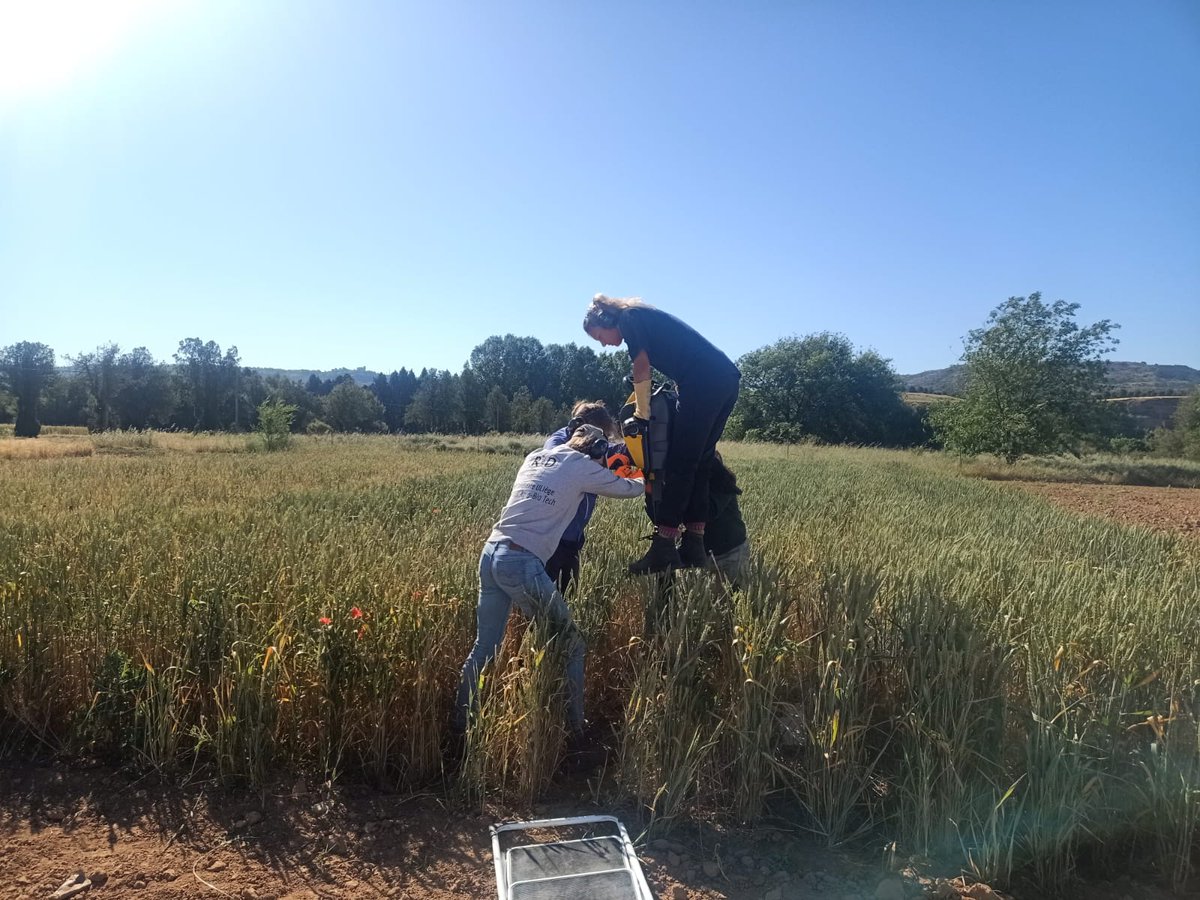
523 417
1182 439
101 371
275 424
66 401
208 384
145 395
1034 382
395 392
496 410
473 394
512 362
819 387
28 369
351 407
544 416
611 388
282 389
437 404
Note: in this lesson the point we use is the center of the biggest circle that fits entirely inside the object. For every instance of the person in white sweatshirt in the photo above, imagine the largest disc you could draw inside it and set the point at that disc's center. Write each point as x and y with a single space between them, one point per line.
512 568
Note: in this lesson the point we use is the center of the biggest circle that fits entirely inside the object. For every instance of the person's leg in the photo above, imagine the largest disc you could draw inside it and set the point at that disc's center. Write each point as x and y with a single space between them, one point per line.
491 619
523 578
696 510
563 565
699 422
689 433
689 430
730 567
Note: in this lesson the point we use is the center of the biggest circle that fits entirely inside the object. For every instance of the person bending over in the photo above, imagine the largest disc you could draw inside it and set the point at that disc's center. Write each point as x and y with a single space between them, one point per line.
512 567
563 564
708 388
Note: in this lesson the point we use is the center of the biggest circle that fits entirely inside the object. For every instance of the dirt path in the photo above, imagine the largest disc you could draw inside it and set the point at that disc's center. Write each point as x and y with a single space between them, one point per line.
295 842
164 842
1163 508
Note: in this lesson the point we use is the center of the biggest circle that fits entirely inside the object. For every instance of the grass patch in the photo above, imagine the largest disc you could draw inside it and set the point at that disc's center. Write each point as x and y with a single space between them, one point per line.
1099 469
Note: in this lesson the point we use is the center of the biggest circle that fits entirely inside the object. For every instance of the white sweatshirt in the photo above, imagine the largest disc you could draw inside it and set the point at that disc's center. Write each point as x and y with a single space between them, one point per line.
546 495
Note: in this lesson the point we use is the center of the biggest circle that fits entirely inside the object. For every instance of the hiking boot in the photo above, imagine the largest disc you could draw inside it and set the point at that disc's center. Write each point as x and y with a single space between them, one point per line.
691 551
661 557
582 754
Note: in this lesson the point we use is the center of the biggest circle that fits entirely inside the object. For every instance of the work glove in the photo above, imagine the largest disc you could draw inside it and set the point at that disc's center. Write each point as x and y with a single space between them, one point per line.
641 398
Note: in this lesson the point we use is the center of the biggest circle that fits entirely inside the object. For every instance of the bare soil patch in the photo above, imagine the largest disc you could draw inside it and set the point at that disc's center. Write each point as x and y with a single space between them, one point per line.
134 838
1163 508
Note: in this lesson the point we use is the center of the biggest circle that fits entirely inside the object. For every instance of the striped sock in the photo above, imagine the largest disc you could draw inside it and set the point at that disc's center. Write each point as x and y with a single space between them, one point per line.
696 528
668 531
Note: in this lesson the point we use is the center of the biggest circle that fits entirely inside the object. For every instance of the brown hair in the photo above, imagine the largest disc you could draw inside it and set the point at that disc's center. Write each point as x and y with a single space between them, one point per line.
584 437
605 311
594 412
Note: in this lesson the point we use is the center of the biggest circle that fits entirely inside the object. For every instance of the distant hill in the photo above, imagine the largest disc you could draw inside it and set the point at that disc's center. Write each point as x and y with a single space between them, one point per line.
1147 413
360 375
1125 379
950 380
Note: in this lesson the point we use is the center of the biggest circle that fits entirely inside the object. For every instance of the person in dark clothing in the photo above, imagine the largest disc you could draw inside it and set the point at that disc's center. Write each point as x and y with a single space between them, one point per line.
563 564
725 540
708 388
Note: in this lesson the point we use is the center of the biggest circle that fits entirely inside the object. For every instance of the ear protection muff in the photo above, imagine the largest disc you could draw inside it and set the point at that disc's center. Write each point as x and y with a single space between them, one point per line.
598 449
600 317
573 424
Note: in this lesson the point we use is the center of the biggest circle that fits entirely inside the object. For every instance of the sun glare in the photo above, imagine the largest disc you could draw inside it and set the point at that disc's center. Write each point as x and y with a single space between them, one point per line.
45 44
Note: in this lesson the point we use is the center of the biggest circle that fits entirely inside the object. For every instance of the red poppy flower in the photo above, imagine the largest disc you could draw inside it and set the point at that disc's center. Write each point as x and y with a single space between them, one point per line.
325 620
355 612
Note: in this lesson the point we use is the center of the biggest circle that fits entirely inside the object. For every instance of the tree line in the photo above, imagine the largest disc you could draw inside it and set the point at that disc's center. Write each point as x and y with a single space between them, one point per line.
1034 385
510 384
817 386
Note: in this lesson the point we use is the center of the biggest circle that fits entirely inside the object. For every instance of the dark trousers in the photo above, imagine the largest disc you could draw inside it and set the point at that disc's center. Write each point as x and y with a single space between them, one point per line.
563 564
700 418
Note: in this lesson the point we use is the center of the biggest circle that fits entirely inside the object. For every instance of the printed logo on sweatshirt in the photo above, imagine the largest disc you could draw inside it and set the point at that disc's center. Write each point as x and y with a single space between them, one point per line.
538 492
543 462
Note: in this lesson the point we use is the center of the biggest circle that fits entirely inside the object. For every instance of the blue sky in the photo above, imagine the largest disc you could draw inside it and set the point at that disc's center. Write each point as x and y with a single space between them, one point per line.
386 184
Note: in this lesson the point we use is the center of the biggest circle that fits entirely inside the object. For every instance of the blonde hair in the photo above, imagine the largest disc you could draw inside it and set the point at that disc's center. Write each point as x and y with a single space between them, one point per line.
604 311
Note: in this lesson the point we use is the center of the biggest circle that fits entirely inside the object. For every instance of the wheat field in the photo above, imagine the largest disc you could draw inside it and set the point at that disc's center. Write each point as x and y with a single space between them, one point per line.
920 659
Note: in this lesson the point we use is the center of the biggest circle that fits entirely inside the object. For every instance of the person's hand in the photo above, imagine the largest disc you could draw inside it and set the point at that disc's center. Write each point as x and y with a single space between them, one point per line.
622 465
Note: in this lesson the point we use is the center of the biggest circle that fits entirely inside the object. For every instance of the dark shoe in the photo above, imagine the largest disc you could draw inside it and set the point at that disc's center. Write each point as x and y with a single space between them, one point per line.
661 557
691 551
454 748
582 754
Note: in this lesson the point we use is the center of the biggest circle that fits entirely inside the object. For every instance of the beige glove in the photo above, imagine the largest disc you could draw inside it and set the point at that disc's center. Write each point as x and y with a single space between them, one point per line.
641 399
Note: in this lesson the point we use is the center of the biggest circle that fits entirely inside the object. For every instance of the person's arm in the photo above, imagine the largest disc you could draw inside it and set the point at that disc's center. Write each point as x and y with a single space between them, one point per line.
633 324
641 385
595 478
641 367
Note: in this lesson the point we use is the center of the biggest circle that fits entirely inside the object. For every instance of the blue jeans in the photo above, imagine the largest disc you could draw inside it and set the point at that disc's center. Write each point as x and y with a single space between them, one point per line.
507 577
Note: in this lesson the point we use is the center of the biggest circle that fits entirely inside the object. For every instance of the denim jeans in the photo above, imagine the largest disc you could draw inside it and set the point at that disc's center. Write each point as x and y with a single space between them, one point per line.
507 577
